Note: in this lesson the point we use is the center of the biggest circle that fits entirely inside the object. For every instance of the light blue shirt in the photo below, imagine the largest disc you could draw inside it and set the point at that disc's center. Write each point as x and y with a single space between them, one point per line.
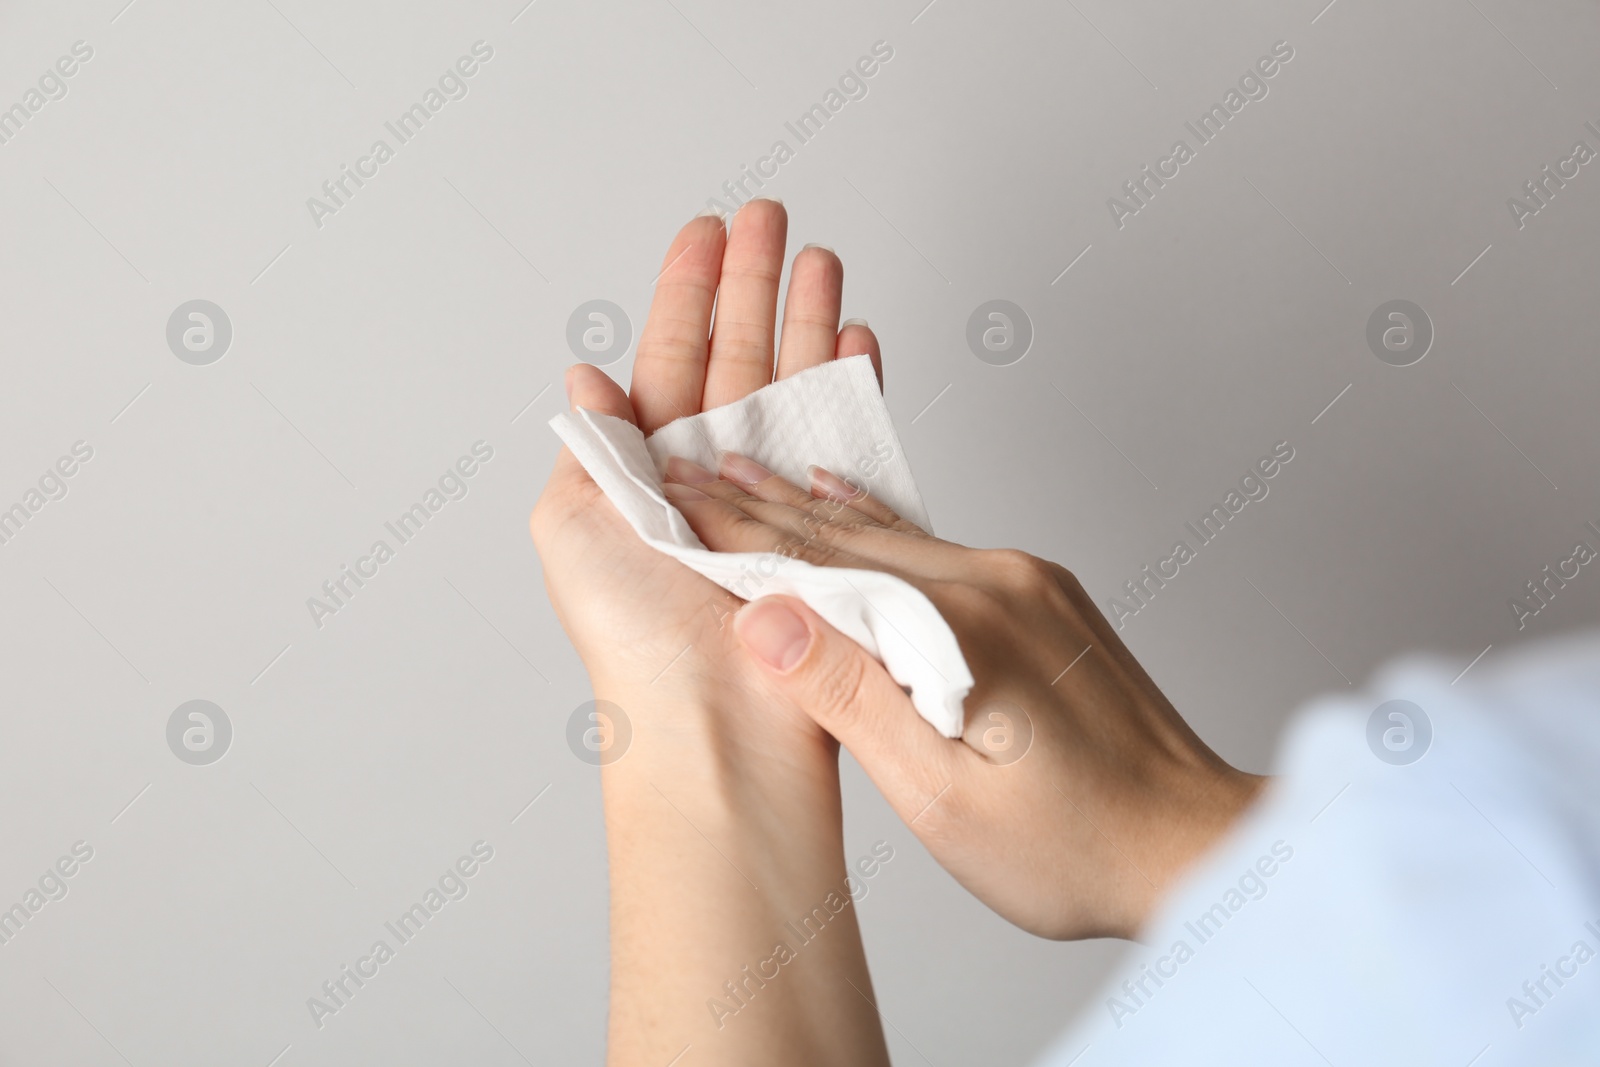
1396 897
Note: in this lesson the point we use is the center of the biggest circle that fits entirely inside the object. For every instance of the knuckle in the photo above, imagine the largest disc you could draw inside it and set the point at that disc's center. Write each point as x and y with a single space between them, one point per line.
818 513
750 273
1068 581
827 509
812 321
905 526
830 532
751 533
673 347
808 527
817 553
1018 572
741 336
838 685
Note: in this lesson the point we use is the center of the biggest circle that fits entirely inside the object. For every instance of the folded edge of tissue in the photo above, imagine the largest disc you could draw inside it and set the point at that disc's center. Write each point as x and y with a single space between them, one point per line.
833 416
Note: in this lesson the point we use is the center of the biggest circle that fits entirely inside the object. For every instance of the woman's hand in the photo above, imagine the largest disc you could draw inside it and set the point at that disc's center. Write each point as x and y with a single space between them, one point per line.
1078 793
630 610
722 816
648 628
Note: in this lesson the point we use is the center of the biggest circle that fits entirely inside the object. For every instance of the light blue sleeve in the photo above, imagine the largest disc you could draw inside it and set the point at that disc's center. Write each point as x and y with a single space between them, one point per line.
1413 890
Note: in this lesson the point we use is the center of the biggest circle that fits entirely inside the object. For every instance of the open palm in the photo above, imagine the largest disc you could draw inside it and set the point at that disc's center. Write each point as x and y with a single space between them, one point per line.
630 610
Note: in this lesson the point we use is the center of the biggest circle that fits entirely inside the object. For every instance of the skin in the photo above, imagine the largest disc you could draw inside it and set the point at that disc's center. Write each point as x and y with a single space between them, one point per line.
721 826
723 818
1063 724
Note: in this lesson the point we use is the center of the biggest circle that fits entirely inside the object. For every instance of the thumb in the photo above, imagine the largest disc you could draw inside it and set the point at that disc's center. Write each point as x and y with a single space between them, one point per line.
849 694
569 490
589 387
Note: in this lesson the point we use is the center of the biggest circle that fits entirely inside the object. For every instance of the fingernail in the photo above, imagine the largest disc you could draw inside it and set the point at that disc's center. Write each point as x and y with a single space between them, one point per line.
743 469
852 322
825 248
831 485
683 470
775 199
773 633
711 211
678 491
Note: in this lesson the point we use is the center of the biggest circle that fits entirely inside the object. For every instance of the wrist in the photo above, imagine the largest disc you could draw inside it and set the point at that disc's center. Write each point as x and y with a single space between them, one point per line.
720 737
727 762
1204 812
779 815
720 836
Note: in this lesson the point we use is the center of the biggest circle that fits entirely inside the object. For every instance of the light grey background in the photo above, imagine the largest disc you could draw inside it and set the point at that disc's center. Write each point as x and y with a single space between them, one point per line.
431 311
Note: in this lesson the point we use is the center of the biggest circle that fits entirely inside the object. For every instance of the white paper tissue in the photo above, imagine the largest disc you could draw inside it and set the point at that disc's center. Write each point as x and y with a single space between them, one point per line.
832 416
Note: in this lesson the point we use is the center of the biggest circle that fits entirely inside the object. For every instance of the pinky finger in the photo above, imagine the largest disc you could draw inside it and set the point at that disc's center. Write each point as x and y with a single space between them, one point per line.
855 339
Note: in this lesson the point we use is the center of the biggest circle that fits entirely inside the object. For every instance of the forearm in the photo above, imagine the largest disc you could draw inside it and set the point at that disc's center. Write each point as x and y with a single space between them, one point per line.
732 927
